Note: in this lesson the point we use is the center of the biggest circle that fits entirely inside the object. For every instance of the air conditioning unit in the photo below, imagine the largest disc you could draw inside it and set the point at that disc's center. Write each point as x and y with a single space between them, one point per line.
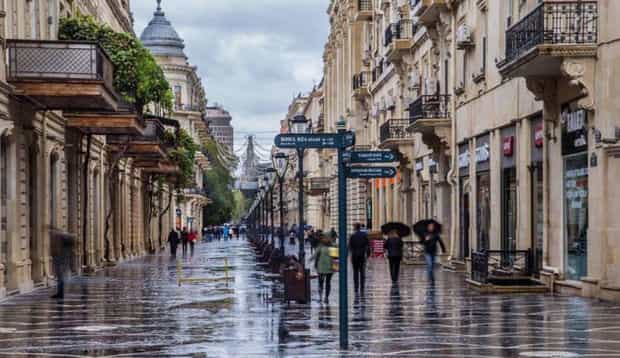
464 37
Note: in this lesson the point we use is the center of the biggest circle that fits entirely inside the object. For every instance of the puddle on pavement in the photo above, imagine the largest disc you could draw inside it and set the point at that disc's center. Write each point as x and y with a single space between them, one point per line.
212 306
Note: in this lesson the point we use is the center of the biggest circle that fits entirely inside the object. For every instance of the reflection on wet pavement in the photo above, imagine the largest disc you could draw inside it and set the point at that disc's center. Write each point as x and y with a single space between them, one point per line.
138 310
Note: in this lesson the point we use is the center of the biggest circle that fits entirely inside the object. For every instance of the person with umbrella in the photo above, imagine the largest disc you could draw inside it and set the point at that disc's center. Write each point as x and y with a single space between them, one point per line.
62 245
394 246
429 232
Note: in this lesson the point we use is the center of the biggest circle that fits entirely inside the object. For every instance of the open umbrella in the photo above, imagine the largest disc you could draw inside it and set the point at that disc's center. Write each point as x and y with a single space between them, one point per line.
403 230
421 227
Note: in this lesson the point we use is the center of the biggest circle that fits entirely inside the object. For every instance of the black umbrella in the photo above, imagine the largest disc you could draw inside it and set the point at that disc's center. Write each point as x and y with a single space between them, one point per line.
421 227
403 230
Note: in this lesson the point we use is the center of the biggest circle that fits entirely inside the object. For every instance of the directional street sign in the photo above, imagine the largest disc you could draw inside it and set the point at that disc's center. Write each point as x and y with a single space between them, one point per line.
370 172
317 141
365 157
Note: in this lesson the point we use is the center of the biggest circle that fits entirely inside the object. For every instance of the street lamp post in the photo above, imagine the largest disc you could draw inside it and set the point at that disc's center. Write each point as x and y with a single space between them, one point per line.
280 163
300 126
270 177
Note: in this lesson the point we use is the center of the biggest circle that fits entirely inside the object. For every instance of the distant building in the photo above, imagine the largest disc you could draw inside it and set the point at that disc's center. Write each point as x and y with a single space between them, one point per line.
219 122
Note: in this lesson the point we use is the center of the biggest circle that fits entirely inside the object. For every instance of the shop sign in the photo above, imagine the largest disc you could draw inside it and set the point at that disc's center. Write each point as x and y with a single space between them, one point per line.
482 153
539 136
464 160
419 166
509 143
574 131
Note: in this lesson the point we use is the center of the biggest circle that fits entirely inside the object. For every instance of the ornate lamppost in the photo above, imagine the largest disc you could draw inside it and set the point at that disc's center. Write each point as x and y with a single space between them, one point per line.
270 176
299 125
280 163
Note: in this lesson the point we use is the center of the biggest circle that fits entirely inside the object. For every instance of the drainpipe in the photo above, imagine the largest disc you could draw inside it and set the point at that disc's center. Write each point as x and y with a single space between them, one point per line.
452 173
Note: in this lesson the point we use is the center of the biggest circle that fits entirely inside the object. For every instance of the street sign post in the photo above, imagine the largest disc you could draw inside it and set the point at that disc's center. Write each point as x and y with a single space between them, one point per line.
370 172
341 141
370 157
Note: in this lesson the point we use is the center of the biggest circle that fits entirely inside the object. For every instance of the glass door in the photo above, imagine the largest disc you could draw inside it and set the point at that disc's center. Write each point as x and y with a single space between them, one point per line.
464 215
509 216
537 218
576 215
483 217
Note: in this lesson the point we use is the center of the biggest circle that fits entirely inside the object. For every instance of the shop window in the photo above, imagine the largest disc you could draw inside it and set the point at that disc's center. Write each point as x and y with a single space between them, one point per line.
576 215
483 217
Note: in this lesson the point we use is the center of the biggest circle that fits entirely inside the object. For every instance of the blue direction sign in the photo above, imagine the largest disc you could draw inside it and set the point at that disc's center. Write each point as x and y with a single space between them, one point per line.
317 141
364 157
370 172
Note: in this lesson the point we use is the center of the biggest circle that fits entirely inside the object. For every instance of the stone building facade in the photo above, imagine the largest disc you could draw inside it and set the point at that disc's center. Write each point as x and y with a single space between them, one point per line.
503 114
55 173
190 108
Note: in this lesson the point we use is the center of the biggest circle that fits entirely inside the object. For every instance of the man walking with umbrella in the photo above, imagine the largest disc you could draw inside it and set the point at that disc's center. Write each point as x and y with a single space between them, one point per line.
429 232
394 246
62 246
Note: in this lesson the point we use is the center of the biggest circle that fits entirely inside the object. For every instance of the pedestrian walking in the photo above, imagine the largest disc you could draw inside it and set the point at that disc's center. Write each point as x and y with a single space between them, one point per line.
430 231
193 237
314 240
62 245
226 232
173 241
359 247
333 235
323 264
184 240
394 246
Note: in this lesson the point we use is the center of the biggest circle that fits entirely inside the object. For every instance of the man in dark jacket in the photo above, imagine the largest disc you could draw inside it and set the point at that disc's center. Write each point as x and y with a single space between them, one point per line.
359 247
430 249
173 240
184 240
62 245
394 248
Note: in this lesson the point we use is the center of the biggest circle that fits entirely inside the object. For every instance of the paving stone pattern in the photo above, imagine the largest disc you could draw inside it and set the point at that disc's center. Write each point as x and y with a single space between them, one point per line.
137 310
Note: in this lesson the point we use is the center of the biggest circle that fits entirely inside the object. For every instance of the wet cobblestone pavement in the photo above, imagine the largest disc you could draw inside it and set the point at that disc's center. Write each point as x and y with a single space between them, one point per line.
137 310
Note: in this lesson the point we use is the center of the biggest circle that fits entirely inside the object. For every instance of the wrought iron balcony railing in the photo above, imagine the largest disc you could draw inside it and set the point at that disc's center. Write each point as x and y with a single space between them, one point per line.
565 22
319 185
361 80
489 264
35 60
429 107
402 30
188 108
394 129
364 5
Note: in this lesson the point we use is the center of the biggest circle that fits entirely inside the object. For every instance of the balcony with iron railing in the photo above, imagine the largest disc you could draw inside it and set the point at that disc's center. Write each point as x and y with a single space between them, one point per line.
398 39
393 133
62 75
361 83
364 10
536 44
430 115
152 144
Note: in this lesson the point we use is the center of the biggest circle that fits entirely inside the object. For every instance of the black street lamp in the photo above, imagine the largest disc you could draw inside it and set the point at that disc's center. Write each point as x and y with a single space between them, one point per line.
299 125
280 163
270 175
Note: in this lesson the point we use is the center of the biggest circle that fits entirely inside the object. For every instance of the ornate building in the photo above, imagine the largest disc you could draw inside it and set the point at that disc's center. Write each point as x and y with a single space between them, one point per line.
502 113
190 103
219 121
71 157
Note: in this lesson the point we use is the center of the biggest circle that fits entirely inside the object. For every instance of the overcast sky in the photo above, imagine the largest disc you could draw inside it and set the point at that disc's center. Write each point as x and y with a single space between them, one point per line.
252 55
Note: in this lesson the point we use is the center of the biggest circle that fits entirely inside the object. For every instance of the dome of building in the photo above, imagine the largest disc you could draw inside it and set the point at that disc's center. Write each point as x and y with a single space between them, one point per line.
161 38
